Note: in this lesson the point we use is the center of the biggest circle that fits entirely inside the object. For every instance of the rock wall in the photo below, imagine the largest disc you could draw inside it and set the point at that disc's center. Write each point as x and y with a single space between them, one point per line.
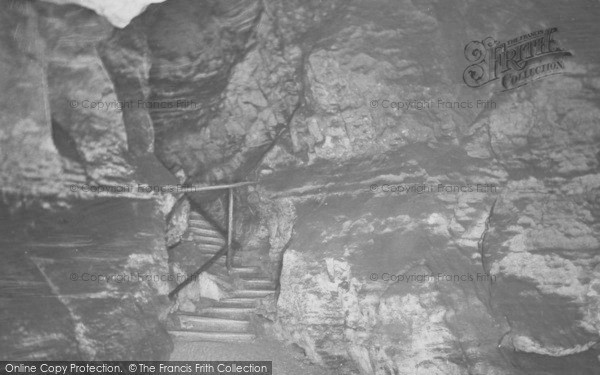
438 240
85 273
63 122
24 115
84 280
417 235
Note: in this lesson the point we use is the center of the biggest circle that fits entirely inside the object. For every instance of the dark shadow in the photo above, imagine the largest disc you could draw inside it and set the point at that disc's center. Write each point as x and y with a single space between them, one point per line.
65 144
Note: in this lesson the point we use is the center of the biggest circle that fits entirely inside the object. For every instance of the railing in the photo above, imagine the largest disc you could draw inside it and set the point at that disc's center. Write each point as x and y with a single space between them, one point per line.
227 249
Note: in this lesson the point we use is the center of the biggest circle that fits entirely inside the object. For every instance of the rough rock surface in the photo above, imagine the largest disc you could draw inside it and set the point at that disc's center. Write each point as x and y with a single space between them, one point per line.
77 81
61 125
498 278
84 280
177 222
24 116
437 240
53 146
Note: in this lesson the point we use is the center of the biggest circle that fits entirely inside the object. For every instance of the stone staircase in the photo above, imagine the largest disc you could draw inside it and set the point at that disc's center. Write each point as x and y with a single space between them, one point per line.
73 173
228 319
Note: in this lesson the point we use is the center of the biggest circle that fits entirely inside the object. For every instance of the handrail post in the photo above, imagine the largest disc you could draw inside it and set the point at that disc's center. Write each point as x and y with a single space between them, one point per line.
229 259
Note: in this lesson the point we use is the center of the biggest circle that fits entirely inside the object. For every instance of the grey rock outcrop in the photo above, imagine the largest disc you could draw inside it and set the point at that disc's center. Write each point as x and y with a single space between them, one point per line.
416 236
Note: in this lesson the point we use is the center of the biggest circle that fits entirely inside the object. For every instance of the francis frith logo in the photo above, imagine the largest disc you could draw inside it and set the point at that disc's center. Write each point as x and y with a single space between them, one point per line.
515 62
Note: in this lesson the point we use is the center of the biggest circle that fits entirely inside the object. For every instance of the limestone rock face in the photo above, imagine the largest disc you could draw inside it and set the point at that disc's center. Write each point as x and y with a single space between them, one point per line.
394 281
86 280
86 274
81 93
24 118
415 235
436 239
390 282
118 13
178 222
220 122
71 105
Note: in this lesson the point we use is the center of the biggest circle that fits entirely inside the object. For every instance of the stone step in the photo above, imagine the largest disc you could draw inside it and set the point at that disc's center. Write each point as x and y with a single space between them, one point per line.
74 170
220 268
194 336
252 293
233 313
259 284
246 271
211 241
206 255
203 232
207 324
206 246
209 245
237 270
238 302
221 262
200 223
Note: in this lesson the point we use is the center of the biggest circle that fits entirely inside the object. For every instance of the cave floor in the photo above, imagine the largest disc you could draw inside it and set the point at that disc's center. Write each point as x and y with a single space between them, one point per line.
285 359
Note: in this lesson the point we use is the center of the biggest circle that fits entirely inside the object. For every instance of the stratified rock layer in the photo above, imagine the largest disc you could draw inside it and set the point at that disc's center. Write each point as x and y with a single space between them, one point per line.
436 239
85 273
84 280
416 235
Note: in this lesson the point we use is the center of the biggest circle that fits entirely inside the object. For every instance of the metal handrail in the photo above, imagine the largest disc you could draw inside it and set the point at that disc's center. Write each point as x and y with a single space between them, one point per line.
228 248
195 189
